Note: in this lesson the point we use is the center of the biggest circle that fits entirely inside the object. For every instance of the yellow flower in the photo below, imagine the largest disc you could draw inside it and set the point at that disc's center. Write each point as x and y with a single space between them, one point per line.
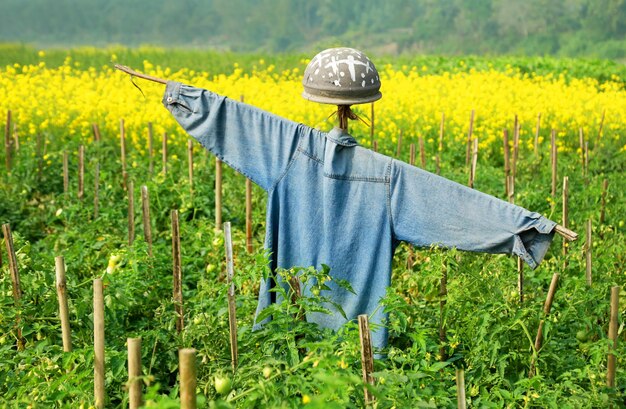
306 399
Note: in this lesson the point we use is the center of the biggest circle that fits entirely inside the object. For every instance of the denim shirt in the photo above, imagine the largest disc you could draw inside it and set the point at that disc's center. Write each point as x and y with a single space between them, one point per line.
331 201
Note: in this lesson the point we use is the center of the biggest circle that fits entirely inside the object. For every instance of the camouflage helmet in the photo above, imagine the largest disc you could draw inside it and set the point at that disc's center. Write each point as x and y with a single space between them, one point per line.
341 76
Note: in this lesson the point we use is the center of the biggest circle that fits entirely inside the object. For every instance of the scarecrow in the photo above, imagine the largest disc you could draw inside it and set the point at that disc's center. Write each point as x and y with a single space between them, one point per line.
332 202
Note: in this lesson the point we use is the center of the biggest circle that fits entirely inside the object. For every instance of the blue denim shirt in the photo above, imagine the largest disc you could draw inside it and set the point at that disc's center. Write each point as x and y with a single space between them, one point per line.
331 201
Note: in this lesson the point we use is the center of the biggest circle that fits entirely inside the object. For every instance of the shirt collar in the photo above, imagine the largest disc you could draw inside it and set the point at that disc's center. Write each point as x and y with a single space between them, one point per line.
341 137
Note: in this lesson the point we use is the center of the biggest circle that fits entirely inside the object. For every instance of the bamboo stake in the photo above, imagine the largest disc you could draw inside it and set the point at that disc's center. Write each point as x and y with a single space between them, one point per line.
123 151
412 154
96 132
605 186
367 358
375 146
61 286
443 293
96 194
177 272
547 306
232 312
15 279
16 137
472 175
164 152
81 172
190 164
537 134
546 310
507 166
187 364
7 142
515 147
588 247
66 171
565 220
151 148
586 169
422 152
249 247
469 139
520 279
554 162
218 194
134 373
399 148
98 343
460 388
510 187
147 228
613 325
440 150
131 212
372 124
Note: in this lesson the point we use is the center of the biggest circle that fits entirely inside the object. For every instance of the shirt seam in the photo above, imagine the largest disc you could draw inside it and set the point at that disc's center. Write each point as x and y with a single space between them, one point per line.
356 178
291 161
310 155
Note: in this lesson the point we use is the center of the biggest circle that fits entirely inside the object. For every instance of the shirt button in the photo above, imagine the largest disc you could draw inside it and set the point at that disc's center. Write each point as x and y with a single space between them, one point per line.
170 99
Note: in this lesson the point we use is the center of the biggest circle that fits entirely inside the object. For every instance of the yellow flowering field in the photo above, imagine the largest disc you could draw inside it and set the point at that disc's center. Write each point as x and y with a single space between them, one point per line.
71 97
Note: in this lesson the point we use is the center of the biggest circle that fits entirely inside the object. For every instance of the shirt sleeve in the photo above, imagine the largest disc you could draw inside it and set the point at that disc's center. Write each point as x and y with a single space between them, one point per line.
427 209
254 142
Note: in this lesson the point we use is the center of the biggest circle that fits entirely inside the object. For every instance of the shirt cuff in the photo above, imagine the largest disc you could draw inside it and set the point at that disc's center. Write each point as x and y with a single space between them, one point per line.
533 244
172 93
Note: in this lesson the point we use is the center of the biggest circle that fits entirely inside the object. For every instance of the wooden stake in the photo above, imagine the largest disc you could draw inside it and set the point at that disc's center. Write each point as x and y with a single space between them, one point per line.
131 212
588 247
537 134
98 343
443 294
520 279
150 148
147 228
546 310
460 388
422 152
554 162
510 183
7 142
164 152
474 163
232 312
16 137
61 285
469 139
218 194
412 154
66 177
187 364
15 279
81 172
565 220
605 187
440 150
547 306
190 164
134 373
96 191
249 247
375 146
515 147
613 325
586 168
177 272
399 148
96 132
507 166
367 357
372 124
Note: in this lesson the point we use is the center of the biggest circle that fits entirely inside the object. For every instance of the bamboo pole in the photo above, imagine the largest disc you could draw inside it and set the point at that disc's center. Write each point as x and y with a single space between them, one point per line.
66 171
605 187
588 248
164 152
565 220
460 388
469 139
249 247
131 212
613 325
16 137
422 152
515 148
81 172
98 343
507 166
7 142
96 191
15 280
134 373
554 161
375 146
187 365
547 307
440 149
586 158
412 154
150 148
218 194
367 358
232 312
147 228
537 134
510 187
472 175
399 147
177 272
190 164
61 286
96 132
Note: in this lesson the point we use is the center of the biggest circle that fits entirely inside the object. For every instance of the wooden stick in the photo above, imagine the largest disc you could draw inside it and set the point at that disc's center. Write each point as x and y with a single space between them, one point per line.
546 310
399 148
472 175
565 220
177 272
412 154
375 146
422 152
566 233
134 373
507 166
372 124
460 388
61 286
588 247
96 191
96 132
232 312
520 279
134 73
537 134
66 177
147 228
367 357
586 168
7 142
98 343
218 194
81 172
164 152
131 212
16 138
187 364
249 247
554 162
150 147
15 279
605 187
547 306
469 139
443 293
510 187
613 325
515 147
440 149
190 164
